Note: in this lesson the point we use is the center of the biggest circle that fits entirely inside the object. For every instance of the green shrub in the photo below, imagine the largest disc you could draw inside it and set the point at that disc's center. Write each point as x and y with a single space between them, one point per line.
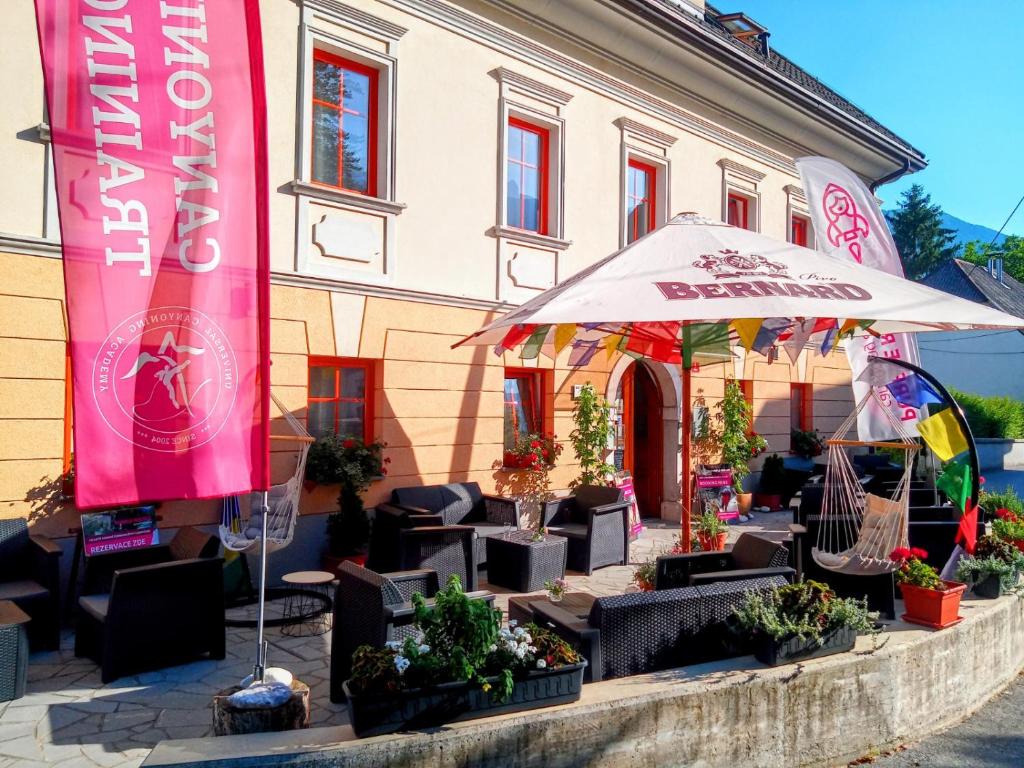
990 501
998 417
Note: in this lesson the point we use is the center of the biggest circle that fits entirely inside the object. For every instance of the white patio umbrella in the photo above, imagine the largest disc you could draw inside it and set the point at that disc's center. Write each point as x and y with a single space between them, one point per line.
690 288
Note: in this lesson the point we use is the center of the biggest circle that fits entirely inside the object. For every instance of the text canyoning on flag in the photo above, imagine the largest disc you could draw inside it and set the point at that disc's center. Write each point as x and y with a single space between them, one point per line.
849 225
157 117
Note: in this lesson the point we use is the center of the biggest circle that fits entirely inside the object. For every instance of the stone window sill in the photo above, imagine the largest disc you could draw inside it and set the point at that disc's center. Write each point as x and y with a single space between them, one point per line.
332 195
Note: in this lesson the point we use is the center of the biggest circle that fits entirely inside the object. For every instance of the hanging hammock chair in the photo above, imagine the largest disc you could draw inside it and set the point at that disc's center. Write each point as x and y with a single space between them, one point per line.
241 532
858 530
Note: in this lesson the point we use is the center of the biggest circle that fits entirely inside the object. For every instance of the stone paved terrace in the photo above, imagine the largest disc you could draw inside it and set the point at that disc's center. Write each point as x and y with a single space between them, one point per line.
69 718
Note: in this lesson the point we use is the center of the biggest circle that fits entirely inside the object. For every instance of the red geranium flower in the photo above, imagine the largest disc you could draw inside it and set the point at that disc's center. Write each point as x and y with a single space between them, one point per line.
349 443
900 554
535 443
533 457
919 553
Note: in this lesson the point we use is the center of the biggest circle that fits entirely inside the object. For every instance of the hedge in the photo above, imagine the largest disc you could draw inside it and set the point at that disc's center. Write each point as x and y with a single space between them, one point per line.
1001 417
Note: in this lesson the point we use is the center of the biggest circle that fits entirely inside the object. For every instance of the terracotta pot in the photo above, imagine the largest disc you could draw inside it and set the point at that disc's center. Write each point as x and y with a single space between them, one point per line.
331 563
771 500
933 608
714 543
744 501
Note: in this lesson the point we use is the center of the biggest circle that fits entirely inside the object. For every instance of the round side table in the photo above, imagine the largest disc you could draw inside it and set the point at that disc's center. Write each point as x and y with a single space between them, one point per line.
308 609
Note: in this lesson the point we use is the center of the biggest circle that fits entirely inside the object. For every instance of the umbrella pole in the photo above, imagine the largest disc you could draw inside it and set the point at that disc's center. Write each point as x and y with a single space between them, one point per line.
261 646
686 419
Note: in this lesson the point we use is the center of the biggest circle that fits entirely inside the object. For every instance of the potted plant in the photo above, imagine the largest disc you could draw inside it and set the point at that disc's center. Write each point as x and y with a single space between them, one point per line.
739 443
806 443
556 589
645 573
589 438
928 599
535 452
800 621
463 666
994 569
771 484
1009 526
712 531
353 465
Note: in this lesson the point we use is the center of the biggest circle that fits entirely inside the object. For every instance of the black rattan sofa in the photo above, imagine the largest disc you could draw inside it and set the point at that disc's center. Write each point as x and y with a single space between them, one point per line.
642 632
155 616
30 578
595 520
451 504
371 609
750 557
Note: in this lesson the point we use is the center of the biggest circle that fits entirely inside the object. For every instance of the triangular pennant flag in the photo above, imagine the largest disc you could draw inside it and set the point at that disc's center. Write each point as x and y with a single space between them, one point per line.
769 332
709 341
747 330
828 340
515 335
955 482
611 344
967 531
583 351
798 336
913 391
943 434
533 344
564 333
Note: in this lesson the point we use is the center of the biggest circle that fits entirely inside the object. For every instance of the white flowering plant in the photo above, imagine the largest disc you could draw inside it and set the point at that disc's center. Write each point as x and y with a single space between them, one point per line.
458 640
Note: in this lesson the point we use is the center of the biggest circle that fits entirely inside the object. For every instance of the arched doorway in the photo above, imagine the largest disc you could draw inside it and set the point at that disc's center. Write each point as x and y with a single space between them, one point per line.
642 436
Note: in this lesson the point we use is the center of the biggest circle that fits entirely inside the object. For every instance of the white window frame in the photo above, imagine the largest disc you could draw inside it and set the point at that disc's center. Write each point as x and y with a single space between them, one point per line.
513 85
650 147
741 181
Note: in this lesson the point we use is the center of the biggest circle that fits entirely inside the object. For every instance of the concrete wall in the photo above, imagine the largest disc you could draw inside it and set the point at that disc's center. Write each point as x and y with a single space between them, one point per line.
980 363
824 712
1000 454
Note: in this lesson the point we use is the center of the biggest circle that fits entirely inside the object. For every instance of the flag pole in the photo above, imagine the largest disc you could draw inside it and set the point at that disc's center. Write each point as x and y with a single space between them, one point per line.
686 419
261 646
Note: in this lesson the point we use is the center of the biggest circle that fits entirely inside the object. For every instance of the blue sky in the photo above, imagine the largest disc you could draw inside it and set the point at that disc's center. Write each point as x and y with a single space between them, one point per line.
946 75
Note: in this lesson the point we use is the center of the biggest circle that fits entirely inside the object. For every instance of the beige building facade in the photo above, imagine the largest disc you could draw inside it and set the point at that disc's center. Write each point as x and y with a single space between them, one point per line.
434 163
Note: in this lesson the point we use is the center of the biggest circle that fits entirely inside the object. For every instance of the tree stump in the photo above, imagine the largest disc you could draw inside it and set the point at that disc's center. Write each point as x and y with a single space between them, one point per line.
290 716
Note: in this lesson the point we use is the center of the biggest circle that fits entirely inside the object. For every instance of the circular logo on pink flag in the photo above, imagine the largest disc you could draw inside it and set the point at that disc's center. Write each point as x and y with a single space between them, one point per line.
165 379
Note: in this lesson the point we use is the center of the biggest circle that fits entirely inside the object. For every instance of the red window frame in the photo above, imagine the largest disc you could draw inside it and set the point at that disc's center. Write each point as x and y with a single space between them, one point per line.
368 389
801 405
542 167
798 231
371 122
738 211
651 172
537 386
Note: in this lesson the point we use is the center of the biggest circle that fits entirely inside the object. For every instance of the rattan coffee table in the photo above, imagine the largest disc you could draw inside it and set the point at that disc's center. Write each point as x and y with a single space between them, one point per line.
520 607
518 562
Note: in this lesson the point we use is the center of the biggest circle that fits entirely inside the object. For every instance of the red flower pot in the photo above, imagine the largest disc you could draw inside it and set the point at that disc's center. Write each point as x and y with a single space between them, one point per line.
771 500
712 543
933 608
331 563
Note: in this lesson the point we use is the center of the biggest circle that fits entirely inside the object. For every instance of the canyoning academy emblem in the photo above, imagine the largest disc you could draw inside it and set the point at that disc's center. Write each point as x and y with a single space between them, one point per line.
845 224
165 379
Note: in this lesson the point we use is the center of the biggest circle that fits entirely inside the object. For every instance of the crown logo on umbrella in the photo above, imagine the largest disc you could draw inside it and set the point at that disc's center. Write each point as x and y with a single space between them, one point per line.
732 263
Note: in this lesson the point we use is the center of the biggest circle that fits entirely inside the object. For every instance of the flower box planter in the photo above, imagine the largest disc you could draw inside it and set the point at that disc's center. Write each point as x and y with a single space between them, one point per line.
989 588
774 652
452 702
714 543
933 608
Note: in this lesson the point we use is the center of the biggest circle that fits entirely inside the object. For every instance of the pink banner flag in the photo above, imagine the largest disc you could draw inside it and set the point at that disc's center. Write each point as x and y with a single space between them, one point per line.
157 115
849 225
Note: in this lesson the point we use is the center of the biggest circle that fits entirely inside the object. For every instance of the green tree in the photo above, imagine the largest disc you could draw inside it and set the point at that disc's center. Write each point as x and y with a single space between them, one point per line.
590 437
1011 250
916 224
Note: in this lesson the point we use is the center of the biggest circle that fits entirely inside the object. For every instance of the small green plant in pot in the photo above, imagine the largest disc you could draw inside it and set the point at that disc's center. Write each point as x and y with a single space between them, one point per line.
589 438
800 621
712 531
739 443
994 568
772 483
807 443
928 599
353 465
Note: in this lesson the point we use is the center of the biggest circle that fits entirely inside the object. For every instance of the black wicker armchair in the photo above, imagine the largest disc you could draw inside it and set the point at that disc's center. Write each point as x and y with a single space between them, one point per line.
155 616
458 504
595 520
30 578
750 557
445 549
371 609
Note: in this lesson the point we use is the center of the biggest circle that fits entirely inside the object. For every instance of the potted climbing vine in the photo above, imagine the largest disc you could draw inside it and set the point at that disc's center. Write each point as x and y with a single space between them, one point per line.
740 444
593 428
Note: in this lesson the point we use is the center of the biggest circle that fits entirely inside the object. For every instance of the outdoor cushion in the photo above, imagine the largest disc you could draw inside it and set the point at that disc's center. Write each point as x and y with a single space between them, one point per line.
752 551
569 530
23 589
454 502
95 605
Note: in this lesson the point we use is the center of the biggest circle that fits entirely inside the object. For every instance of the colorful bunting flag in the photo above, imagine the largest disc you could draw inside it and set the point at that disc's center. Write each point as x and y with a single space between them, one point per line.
798 336
967 531
583 351
747 330
707 340
955 482
564 333
913 391
943 434
769 333
531 349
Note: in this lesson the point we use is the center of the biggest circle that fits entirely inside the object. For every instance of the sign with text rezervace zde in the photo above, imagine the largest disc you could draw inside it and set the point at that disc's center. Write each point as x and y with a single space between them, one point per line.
158 121
849 225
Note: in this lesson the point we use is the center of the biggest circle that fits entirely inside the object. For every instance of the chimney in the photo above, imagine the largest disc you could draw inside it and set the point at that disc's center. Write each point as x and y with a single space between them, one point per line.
995 267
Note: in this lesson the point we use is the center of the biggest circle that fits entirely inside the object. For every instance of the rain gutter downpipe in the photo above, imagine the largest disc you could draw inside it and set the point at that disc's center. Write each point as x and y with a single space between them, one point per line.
898 173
